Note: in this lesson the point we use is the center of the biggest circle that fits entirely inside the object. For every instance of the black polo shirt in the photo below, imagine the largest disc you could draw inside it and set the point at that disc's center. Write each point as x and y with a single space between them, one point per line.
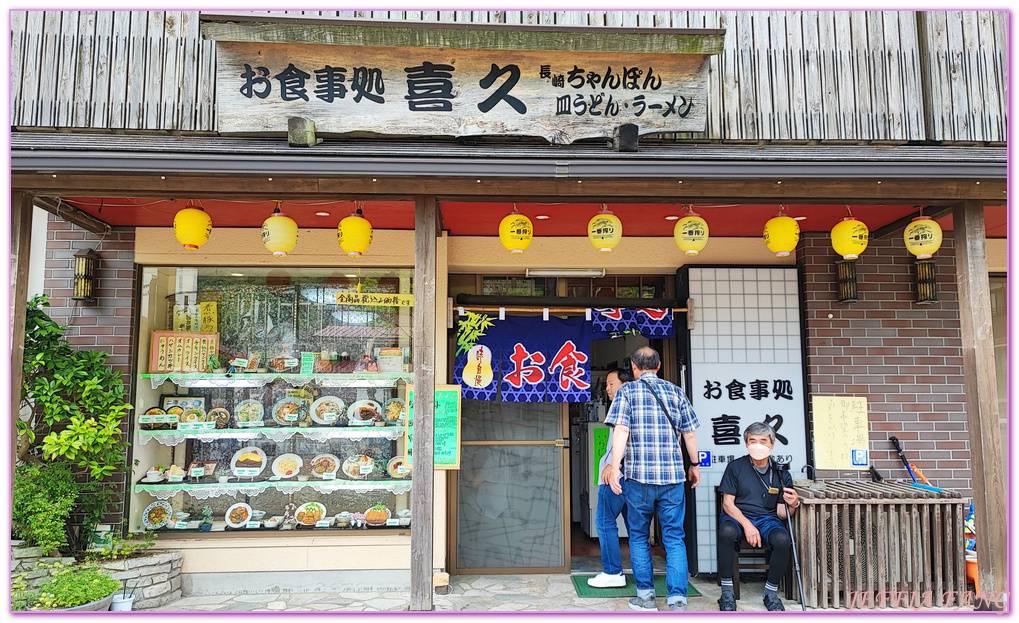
748 485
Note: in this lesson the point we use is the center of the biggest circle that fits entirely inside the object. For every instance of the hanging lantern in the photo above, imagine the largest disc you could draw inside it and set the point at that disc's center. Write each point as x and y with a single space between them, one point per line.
849 238
781 233
354 233
604 230
515 231
85 262
691 233
279 232
923 237
192 227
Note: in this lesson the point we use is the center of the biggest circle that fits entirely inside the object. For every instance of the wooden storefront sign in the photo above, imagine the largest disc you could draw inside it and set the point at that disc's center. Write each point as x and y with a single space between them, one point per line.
562 96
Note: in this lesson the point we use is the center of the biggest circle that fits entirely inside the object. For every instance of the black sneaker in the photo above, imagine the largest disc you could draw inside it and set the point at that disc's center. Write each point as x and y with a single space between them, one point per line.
727 603
773 604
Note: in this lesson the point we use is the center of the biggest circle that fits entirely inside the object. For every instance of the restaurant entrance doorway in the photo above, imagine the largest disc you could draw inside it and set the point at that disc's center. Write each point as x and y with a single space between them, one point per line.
510 496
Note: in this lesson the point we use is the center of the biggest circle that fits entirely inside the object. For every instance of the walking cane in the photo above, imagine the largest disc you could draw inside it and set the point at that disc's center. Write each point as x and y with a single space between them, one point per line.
784 467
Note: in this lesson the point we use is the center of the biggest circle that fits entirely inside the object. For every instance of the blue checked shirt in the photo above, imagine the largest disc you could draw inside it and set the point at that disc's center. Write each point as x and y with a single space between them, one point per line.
653 455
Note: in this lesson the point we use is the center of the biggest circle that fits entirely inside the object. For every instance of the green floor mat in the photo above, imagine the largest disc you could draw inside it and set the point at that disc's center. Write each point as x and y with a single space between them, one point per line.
630 590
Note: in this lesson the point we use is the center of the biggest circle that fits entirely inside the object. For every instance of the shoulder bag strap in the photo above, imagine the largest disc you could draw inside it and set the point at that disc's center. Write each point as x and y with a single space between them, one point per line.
664 409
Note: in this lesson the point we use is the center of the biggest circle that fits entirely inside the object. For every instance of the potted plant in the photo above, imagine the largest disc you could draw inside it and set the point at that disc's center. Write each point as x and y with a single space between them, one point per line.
77 587
206 518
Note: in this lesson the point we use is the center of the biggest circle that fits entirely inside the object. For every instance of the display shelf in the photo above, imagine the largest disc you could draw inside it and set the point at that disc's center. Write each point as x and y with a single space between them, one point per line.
275 433
244 379
204 491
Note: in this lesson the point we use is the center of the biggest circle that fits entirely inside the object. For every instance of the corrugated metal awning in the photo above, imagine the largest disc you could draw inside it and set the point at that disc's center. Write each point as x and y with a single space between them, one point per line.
131 154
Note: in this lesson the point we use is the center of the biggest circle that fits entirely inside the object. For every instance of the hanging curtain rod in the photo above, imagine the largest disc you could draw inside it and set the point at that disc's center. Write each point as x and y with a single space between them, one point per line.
537 310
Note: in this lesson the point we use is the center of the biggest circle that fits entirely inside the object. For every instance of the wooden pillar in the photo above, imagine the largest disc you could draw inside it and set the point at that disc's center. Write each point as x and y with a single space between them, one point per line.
421 498
981 396
21 237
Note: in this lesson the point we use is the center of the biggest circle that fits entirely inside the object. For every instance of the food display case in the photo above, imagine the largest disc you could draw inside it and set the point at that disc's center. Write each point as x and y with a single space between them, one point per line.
277 418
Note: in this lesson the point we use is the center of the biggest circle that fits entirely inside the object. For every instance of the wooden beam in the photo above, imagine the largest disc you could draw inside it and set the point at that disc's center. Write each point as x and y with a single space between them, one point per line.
800 190
981 397
21 238
421 494
898 225
71 214
362 33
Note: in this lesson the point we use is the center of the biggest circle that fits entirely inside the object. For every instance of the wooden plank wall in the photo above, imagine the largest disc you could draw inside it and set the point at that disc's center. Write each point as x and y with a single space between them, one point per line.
135 70
968 63
784 76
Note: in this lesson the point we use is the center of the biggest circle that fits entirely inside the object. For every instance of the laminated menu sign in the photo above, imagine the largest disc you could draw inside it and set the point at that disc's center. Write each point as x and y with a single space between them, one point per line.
194 427
172 351
307 363
446 427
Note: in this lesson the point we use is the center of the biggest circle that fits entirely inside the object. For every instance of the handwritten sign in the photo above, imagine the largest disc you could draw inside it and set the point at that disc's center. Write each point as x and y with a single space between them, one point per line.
446 426
560 96
840 432
375 299
182 352
209 318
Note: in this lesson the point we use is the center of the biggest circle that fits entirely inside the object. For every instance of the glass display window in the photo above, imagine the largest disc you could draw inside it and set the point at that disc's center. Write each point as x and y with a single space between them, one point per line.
271 399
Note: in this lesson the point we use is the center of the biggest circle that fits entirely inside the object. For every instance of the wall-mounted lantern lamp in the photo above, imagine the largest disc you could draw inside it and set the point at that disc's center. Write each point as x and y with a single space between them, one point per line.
85 263
847 280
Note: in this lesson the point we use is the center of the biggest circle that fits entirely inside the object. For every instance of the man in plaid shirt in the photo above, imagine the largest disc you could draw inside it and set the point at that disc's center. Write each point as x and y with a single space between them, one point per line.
644 436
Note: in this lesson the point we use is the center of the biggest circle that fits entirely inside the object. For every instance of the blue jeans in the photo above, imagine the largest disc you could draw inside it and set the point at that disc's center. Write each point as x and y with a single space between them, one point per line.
640 505
609 506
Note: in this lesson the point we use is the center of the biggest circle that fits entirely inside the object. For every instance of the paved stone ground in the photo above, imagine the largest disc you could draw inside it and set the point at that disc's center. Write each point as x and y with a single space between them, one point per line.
479 593
471 593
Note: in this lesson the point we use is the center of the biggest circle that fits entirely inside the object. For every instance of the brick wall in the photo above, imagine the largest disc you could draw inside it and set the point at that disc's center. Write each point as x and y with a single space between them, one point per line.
107 324
905 358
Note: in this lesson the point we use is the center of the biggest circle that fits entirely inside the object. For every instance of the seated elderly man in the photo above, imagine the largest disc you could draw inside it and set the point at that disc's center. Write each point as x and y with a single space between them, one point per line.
751 486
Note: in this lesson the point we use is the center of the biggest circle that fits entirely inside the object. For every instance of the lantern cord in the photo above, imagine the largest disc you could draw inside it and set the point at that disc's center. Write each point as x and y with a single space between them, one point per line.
849 211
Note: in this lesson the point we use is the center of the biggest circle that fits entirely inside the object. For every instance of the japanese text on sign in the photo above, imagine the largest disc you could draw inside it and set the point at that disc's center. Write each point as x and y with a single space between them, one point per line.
562 97
372 299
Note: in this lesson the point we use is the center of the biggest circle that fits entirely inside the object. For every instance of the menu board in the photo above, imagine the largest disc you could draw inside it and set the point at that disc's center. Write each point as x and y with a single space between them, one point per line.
840 432
182 352
446 423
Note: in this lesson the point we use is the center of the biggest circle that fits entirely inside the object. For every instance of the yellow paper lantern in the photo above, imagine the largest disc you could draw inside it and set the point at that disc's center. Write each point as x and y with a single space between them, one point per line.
605 230
691 233
192 227
849 238
354 234
781 234
923 237
279 233
515 232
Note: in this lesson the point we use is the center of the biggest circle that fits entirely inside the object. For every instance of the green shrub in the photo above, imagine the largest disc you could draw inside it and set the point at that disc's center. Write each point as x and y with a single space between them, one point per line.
44 497
69 587
76 410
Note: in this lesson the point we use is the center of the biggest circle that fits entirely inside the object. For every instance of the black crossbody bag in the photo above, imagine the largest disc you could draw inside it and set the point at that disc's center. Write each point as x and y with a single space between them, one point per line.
679 439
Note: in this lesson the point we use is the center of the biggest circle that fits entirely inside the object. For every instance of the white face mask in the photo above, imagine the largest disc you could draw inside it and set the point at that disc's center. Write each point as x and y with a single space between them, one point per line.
759 451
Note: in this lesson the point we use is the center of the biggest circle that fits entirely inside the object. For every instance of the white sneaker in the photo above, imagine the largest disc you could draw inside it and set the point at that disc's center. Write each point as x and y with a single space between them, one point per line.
604 580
